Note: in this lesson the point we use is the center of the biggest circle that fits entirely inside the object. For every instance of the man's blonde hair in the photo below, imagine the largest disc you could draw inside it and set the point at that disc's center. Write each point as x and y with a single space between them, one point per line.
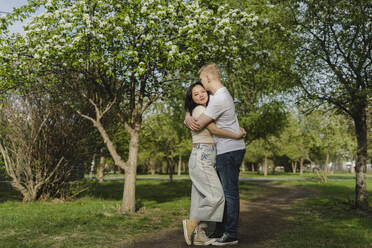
211 69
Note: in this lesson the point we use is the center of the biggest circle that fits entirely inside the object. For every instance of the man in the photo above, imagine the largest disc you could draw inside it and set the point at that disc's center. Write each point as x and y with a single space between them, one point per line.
230 152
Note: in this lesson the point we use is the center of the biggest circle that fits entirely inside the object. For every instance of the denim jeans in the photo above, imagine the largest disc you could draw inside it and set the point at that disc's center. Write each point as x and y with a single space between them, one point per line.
228 168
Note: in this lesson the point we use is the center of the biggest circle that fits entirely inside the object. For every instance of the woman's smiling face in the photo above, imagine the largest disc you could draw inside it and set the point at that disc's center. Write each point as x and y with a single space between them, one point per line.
199 95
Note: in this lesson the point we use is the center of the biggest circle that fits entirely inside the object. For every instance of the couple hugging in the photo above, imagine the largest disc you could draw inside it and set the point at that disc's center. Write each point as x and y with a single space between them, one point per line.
214 164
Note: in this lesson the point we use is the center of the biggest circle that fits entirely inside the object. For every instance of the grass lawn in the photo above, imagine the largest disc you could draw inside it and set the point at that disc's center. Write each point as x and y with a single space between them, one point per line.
93 220
328 219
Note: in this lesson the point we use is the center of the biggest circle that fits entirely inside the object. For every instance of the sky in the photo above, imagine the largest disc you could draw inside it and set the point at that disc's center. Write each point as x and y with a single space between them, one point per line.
7 6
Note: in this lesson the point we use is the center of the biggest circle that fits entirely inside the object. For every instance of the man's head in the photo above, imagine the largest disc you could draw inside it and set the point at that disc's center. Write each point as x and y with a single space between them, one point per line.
209 74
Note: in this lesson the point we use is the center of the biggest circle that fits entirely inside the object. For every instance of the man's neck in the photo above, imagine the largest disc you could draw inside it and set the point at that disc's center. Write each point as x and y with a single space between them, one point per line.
215 85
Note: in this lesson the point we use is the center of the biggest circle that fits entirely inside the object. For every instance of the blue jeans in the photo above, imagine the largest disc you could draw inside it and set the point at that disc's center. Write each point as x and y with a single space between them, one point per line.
228 168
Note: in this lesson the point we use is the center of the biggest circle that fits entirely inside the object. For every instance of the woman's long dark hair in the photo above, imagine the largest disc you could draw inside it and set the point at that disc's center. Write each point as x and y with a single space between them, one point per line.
189 103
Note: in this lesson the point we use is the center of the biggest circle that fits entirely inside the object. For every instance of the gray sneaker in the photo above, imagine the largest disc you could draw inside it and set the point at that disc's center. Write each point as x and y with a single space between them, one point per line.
201 238
225 240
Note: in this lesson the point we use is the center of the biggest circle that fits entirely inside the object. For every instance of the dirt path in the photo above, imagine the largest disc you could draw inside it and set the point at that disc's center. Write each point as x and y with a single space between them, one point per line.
261 220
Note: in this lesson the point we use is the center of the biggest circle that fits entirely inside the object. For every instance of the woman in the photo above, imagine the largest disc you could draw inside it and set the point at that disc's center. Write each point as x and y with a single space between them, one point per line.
207 198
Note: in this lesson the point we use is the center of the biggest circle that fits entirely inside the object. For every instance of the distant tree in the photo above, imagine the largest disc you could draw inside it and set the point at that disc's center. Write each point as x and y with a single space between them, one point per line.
317 136
164 134
254 153
290 142
159 130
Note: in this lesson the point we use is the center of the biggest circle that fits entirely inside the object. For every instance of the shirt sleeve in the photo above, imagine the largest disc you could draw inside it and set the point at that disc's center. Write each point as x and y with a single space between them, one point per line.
197 111
214 109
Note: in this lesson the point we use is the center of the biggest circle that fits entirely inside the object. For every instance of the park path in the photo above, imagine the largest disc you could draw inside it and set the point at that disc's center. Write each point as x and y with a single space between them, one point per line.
262 219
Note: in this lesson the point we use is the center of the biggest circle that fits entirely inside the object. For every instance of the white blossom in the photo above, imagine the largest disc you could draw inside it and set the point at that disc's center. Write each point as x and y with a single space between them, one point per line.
127 20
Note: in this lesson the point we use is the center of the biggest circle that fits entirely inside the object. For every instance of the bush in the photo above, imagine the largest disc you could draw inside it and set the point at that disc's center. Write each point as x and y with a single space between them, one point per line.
3 174
39 139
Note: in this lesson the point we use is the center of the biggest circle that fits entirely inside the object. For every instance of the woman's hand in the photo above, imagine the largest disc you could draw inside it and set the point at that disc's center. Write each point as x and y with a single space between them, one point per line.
191 123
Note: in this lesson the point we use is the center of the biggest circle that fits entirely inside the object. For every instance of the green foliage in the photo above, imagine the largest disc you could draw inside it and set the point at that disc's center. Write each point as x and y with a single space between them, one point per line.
269 120
335 56
163 138
255 151
3 174
264 70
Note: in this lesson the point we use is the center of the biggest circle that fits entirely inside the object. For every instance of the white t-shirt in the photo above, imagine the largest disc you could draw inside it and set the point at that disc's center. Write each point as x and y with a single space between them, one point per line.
203 136
221 108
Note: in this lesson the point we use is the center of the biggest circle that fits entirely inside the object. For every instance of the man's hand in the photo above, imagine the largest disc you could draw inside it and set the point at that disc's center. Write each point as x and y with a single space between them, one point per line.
242 133
191 123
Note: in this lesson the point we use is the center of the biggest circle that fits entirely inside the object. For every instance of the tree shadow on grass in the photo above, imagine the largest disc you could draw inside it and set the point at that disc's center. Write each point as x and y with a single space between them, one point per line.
146 190
7 193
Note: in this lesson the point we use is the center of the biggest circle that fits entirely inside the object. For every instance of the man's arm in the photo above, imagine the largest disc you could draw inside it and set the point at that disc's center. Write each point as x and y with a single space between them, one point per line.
204 120
224 133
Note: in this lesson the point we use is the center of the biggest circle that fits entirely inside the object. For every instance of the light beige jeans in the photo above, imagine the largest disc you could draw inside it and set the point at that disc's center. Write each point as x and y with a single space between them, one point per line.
207 198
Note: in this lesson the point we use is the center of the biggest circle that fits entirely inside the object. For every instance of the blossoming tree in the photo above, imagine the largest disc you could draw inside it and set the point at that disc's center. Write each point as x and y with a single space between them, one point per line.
121 56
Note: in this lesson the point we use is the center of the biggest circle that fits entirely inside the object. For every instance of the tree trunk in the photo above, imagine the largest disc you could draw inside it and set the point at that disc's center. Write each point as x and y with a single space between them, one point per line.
294 167
273 170
129 194
152 167
352 166
92 167
252 167
101 167
360 121
110 146
259 168
326 163
265 166
301 166
170 169
179 164
243 166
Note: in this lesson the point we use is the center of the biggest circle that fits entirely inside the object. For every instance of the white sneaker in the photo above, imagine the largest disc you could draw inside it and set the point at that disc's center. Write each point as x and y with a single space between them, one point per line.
202 239
188 230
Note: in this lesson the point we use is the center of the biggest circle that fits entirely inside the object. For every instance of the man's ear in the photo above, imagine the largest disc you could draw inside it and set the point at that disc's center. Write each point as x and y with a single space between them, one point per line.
208 78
